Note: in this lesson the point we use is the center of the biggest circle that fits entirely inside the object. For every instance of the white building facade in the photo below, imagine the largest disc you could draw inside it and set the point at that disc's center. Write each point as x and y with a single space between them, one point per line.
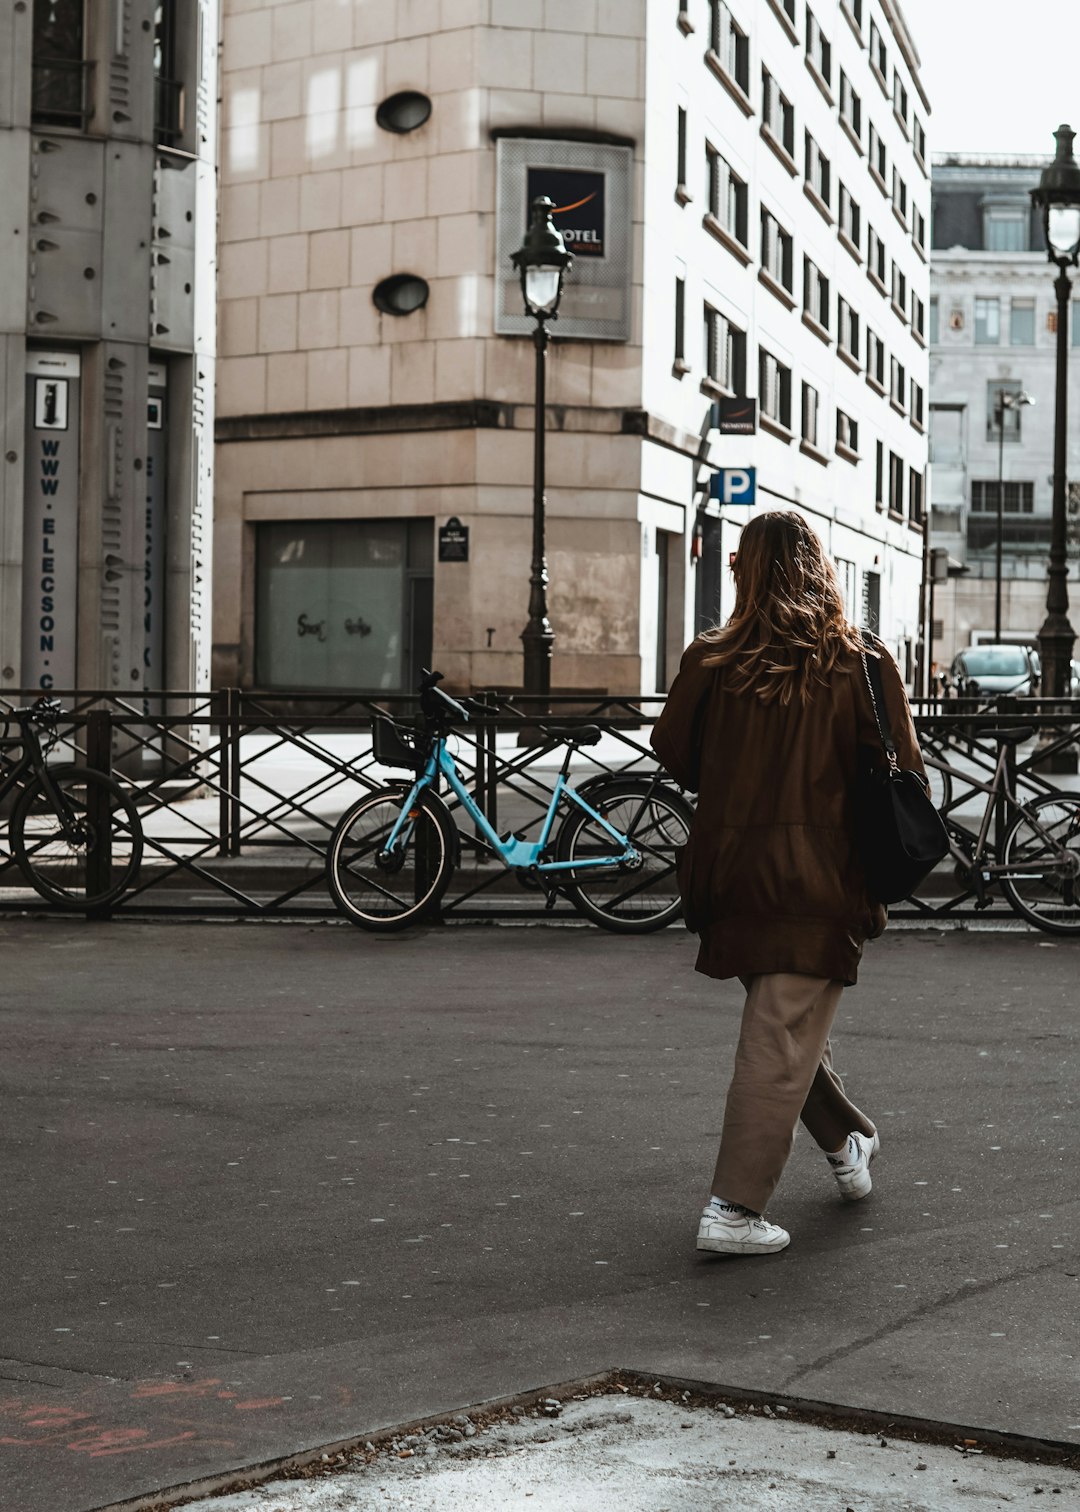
758 186
993 326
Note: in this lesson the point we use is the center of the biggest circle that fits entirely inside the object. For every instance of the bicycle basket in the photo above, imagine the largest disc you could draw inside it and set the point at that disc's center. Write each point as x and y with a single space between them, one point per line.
394 745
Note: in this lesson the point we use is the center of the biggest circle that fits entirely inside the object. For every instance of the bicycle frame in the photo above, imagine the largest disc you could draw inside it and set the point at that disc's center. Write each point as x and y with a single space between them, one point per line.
515 853
997 788
32 762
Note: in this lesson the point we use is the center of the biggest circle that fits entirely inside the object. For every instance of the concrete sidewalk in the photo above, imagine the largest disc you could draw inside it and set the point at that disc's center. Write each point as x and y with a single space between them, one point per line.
268 1187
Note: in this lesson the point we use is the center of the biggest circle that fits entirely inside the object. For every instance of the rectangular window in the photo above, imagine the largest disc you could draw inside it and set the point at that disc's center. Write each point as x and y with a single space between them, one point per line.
818 48
918 229
725 352
1022 322
896 484
879 57
935 321
899 196
878 157
875 257
917 406
847 433
776 251
1005 229
915 496
918 314
875 359
987 322
774 385
681 169
897 382
727 196
810 401
918 137
818 171
879 474
899 97
777 112
899 290
1017 497
168 89
1009 415
680 321
815 293
850 218
847 328
335 575
59 74
850 106
730 44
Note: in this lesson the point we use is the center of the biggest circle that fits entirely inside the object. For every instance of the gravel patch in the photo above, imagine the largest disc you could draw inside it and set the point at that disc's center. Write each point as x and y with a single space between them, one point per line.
650 1454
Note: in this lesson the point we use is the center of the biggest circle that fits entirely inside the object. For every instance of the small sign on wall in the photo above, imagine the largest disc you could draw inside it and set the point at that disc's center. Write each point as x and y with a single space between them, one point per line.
453 541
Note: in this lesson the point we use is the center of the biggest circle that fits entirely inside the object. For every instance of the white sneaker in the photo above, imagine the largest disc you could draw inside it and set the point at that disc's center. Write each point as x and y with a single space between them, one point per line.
731 1230
852 1168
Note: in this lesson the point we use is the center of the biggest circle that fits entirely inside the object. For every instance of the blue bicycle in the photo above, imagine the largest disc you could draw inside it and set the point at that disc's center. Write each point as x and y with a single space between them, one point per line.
392 854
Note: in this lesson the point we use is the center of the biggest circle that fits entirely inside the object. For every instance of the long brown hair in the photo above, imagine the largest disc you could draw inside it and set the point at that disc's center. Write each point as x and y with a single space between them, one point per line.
788 629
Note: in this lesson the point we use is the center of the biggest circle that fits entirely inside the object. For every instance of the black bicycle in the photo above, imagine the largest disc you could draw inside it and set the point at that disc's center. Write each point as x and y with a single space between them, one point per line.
74 833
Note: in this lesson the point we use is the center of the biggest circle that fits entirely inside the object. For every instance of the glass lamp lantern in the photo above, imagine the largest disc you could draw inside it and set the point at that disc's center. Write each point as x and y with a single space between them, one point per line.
1058 197
542 261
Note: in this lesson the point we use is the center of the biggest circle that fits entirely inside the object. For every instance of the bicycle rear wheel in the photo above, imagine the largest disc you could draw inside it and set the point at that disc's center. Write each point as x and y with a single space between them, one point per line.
87 856
383 890
1047 890
632 898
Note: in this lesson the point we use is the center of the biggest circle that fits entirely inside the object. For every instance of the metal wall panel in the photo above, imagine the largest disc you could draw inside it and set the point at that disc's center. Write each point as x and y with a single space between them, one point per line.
67 205
125 285
12 446
123 548
14 232
172 273
15 38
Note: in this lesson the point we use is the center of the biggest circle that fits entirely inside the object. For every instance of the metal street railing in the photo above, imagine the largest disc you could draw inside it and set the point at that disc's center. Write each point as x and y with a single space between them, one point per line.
238 792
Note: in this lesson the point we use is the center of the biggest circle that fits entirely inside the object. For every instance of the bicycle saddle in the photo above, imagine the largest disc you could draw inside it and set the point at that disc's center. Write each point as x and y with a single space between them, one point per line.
579 735
1010 737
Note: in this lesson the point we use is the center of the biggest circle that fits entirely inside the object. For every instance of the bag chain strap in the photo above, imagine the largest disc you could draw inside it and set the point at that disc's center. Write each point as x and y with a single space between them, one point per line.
886 740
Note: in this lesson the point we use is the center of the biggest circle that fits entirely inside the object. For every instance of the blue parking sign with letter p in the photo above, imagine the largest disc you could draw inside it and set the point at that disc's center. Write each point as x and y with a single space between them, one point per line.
734 485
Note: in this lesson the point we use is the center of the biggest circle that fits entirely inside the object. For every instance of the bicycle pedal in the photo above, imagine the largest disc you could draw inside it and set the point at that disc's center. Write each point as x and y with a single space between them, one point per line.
550 902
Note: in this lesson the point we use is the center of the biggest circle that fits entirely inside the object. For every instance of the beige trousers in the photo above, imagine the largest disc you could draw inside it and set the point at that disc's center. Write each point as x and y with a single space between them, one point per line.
783 1072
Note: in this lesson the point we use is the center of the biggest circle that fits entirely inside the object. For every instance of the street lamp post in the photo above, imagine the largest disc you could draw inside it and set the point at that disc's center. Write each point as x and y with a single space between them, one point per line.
1058 197
542 261
1006 400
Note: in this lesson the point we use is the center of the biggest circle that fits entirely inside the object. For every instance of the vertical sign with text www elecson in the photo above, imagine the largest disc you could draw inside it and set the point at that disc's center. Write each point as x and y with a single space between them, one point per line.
51 521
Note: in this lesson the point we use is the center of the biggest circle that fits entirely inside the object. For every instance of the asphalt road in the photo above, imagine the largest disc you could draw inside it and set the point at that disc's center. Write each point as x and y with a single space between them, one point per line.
268 1186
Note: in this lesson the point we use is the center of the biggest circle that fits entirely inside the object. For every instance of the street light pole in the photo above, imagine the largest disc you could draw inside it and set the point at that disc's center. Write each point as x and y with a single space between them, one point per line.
538 637
541 261
1058 197
1056 638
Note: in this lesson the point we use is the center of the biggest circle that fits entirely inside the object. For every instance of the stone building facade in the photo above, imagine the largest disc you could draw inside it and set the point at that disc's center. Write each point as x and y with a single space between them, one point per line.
993 329
763 164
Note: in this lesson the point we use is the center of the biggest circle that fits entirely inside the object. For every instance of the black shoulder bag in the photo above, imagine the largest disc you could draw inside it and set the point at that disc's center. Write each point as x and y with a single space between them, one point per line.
900 834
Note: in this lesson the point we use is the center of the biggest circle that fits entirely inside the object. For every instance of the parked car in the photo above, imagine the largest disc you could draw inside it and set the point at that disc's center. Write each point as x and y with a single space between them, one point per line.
979 671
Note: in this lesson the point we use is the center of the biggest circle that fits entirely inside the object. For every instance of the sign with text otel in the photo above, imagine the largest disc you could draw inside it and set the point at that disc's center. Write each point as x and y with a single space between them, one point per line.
578 196
734 485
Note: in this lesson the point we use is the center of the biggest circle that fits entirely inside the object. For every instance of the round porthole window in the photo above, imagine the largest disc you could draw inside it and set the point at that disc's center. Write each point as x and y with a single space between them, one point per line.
404 112
401 294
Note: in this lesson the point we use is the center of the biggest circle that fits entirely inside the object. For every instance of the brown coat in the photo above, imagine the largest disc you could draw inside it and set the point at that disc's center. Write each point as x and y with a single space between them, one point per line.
770 878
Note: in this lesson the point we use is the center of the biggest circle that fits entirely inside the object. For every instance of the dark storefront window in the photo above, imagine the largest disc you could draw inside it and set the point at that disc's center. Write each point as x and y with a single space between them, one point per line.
168 90
59 89
343 604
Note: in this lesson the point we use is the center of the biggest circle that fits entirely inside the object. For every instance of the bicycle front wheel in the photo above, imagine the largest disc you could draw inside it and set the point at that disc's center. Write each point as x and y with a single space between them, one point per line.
632 897
1042 849
83 852
385 889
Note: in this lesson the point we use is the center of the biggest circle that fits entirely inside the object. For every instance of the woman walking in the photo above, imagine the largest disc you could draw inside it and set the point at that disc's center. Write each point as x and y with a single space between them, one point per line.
765 721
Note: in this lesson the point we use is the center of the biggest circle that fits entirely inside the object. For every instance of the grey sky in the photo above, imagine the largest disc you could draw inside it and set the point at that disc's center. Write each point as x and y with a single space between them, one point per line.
1000 76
